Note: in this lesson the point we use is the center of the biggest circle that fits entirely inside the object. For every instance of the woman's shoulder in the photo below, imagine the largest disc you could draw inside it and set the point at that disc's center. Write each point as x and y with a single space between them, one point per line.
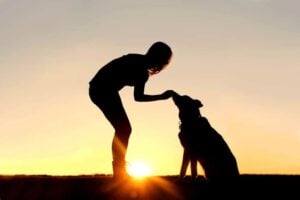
134 57
136 62
128 61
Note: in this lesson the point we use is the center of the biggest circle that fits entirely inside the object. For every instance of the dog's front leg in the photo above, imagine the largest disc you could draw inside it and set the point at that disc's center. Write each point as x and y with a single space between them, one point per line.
194 171
184 164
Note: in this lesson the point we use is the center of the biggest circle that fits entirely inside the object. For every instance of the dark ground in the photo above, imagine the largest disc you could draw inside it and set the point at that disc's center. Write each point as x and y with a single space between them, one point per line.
101 187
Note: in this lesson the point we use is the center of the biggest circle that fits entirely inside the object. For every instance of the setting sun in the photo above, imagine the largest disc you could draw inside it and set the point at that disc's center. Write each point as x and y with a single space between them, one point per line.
139 169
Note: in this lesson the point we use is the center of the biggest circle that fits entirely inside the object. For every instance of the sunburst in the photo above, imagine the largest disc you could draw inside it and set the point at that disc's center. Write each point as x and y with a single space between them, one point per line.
139 169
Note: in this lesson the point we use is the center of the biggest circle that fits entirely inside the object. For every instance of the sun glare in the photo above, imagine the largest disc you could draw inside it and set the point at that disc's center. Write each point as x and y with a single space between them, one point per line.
139 169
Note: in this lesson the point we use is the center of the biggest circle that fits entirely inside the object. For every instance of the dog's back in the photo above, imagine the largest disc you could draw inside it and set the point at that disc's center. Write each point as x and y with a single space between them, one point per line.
214 154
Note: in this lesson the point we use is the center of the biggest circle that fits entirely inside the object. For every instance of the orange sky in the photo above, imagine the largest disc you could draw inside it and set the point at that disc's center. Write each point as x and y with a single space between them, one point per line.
239 57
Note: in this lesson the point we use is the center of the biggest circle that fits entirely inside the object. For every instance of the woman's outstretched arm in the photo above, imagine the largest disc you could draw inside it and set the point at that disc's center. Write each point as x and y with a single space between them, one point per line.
139 94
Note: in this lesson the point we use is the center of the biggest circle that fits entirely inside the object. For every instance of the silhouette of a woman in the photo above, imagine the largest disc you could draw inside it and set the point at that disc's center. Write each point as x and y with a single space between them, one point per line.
128 70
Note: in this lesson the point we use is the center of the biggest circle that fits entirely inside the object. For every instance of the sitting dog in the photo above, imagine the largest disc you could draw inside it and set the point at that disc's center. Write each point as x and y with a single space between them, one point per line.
202 143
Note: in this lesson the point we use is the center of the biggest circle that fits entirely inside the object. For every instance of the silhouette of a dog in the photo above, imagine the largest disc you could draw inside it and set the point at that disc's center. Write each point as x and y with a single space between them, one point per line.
202 143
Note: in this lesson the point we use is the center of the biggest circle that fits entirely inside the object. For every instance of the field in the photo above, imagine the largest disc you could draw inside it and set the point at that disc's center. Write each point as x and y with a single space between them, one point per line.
92 187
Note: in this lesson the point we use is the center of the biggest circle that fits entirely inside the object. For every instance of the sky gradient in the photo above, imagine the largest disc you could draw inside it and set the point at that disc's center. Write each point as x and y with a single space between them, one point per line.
239 57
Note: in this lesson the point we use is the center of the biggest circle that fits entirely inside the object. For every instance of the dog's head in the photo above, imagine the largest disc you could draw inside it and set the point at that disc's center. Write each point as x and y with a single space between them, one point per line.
188 107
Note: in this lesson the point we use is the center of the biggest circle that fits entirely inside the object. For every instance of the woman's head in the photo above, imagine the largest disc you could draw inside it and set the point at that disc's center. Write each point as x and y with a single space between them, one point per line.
159 55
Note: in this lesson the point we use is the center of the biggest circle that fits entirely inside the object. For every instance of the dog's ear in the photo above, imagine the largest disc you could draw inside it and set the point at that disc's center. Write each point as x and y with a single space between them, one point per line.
198 103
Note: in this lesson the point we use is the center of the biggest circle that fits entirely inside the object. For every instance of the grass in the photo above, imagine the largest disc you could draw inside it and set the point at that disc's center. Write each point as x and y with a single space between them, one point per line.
92 187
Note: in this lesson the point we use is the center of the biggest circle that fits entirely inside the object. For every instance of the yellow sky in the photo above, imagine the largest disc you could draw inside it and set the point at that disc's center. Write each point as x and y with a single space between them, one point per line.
239 57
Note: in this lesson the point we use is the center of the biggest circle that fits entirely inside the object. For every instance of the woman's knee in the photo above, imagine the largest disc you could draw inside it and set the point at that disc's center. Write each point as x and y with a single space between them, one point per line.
124 130
127 130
